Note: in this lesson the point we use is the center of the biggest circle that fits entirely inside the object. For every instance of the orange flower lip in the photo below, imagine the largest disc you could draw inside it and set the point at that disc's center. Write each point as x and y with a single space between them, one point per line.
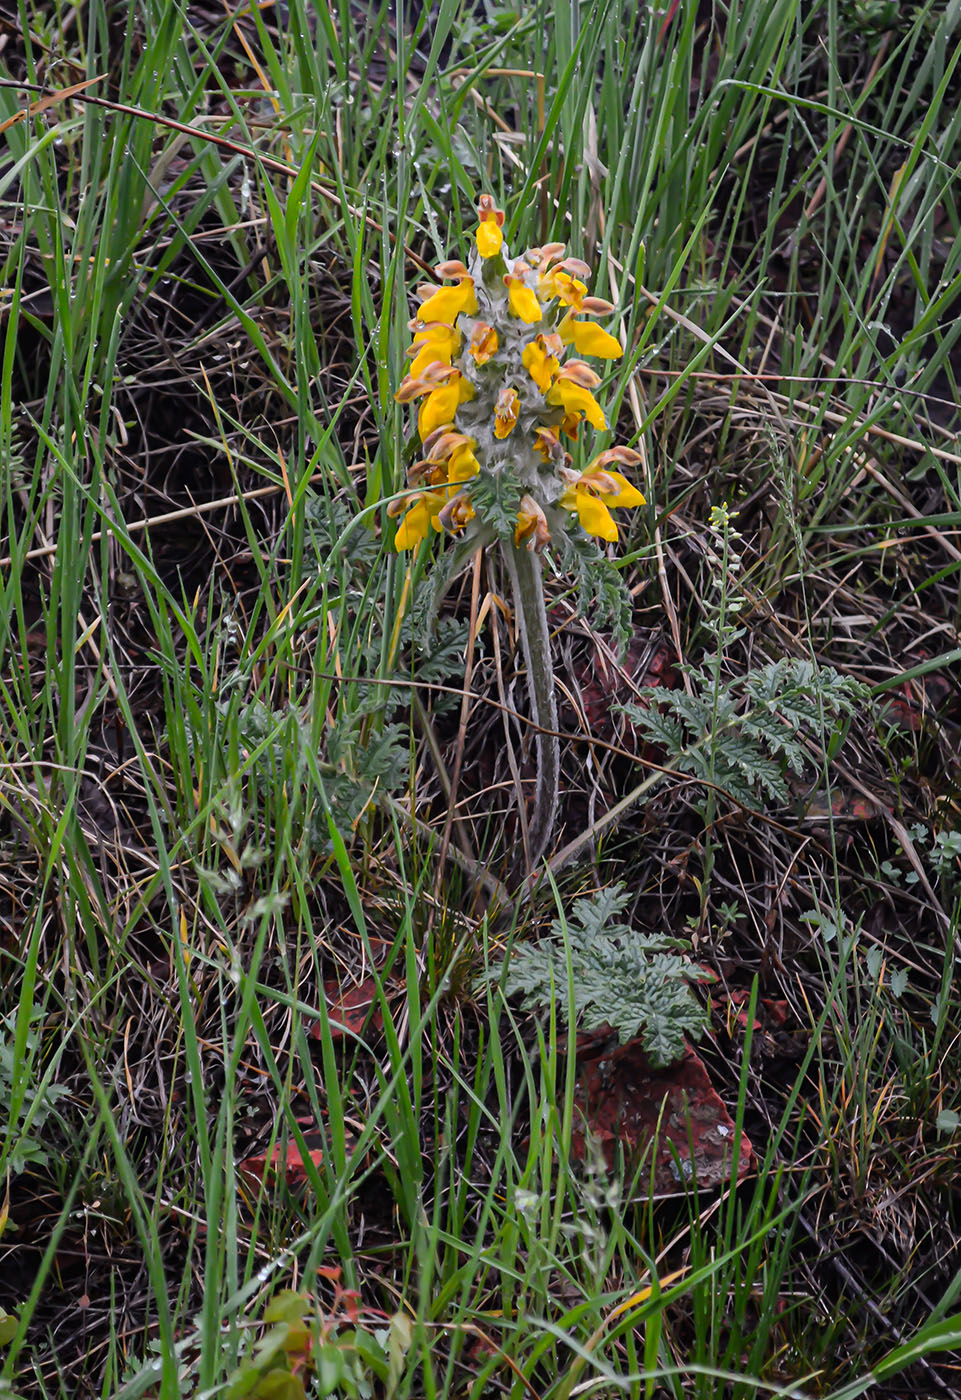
625 455
454 268
597 306
435 375
440 447
543 257
580 373
574 266
487 209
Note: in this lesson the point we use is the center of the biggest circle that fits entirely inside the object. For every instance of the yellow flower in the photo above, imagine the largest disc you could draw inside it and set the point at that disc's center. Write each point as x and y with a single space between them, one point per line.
523 303
589 339
489 238
505 412
483 342
561 284
462 464
457 512
593 494
489 235
548 445
416 524
540 365
441 404
531 521
442 445
574 399
447 303
435 344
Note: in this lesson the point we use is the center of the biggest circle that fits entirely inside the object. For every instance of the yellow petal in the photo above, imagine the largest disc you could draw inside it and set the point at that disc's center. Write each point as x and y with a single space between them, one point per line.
592 340
437 409
489 238
574 399
414 527
523 302
627 494
595 517
540 366
427 355
462 465
433 352
565 328
436 344
448 302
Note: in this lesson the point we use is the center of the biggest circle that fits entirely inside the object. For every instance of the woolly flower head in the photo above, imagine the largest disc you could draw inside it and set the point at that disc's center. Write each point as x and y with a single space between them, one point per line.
496 391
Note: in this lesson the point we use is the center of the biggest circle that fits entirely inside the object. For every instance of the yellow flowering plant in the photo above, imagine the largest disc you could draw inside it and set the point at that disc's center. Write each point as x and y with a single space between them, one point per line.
498 390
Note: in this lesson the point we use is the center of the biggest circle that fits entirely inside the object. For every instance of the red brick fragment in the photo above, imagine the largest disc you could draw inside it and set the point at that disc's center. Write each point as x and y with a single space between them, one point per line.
626 1103
347 1008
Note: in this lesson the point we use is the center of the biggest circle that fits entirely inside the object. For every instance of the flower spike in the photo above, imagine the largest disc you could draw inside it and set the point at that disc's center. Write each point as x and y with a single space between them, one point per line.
499 382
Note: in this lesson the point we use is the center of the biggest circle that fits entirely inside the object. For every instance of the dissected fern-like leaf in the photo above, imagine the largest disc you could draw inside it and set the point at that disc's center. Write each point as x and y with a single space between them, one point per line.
496 497
746 736
632 982
602 595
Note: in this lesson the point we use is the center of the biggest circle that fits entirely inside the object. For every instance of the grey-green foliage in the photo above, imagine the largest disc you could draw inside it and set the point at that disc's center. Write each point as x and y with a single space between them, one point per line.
380 763
747 737
365 750
349 557
341 543
354 765
637 984
602 595
21 1144
496 496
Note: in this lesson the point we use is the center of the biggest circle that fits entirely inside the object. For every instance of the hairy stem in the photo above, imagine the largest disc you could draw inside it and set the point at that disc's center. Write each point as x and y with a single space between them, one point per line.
527 584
